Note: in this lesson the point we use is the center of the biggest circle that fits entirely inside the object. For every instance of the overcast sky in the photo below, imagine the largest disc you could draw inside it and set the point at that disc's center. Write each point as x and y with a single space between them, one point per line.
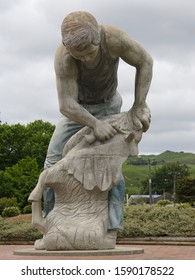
30 34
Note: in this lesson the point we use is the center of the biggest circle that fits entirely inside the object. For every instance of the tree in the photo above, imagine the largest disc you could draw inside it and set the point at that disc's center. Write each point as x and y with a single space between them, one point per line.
19 141
19 180
22 154
185 190
165 178
13 139
38 135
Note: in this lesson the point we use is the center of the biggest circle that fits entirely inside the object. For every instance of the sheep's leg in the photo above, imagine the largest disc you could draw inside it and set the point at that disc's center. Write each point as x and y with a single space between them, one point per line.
37 219
37 193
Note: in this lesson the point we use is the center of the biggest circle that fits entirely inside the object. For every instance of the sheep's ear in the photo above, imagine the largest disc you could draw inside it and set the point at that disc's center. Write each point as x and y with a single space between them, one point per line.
130 137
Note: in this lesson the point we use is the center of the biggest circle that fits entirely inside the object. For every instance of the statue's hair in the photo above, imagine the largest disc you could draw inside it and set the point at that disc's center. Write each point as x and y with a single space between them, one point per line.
79 30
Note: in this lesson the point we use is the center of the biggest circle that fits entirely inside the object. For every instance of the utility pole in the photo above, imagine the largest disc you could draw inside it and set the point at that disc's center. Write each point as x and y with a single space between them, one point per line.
174 187
149 181
138 186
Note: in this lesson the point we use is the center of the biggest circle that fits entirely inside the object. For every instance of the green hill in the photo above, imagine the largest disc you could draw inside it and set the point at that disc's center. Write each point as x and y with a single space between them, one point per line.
135 169
165 157
169 156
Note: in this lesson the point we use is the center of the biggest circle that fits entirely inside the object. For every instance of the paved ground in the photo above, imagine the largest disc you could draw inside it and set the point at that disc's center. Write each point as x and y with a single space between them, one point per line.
151 252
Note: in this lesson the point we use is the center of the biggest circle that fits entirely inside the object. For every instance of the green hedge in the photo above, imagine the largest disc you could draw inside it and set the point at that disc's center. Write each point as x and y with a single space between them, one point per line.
139 221
7 202
11 211
27 209
154 220
18 231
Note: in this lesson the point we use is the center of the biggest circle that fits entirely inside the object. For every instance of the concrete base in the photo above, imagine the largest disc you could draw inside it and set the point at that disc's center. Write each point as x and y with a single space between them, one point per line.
119 250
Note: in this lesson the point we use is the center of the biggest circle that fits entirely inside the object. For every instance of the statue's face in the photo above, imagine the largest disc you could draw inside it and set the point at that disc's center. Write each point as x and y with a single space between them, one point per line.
87 55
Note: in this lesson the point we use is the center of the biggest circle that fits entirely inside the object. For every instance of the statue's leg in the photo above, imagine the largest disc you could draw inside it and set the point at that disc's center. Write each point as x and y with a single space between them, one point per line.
49 199
115 206
63 131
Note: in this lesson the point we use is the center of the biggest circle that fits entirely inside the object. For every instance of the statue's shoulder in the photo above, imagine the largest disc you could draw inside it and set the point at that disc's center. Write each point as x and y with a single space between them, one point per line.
62 54
113 39
63 61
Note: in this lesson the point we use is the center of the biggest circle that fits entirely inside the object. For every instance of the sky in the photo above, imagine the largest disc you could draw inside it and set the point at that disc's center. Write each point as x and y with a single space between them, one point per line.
30 34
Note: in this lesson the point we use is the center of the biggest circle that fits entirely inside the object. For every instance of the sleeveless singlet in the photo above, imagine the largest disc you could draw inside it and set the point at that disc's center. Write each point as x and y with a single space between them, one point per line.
96 85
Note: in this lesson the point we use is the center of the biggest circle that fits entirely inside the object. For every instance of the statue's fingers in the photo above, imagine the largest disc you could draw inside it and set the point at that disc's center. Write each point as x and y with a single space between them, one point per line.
137 123
116 128
145 123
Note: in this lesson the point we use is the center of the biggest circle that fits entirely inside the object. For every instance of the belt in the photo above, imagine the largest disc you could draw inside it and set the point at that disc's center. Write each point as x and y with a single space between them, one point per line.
94 102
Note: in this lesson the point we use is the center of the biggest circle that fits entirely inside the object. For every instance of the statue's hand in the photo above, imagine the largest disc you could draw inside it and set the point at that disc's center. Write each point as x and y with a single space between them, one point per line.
141 116
103 130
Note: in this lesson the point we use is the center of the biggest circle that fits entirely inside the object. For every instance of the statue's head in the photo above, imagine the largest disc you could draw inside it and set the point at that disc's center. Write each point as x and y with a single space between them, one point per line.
80 30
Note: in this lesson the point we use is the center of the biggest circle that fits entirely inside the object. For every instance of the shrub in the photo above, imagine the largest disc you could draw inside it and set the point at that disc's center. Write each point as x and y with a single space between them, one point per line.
153 220
135 201
183 205
18 231
163 202
27 209
7 202
11 212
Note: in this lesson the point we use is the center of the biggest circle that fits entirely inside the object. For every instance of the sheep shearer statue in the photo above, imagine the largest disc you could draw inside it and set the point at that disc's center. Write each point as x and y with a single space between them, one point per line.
82 184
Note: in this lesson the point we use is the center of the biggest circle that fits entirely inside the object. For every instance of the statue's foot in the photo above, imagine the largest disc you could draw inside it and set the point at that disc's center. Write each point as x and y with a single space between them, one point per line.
39 244
110 239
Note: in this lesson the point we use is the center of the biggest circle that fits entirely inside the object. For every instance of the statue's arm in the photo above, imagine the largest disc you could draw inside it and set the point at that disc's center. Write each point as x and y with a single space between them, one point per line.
123 46
134 54
67 88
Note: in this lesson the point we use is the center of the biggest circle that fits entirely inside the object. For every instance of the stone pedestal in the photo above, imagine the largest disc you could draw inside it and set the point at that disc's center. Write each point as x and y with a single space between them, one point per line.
119 250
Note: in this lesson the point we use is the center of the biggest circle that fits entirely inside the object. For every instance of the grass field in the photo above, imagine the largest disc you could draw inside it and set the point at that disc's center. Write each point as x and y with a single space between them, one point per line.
135 174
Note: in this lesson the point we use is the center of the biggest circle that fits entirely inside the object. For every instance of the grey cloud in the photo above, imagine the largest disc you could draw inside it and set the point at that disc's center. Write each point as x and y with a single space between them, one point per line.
30 33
